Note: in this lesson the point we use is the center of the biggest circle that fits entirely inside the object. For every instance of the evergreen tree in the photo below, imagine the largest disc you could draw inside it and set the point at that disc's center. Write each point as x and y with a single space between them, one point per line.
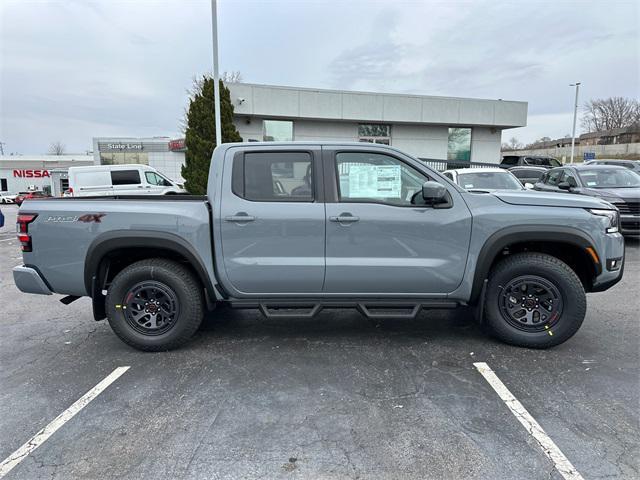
200 133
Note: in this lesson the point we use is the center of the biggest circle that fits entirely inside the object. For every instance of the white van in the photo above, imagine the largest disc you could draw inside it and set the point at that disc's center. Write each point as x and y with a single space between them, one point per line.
104 180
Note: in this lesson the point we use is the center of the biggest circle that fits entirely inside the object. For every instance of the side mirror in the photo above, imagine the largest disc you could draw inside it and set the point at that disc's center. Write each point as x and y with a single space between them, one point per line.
528 186
564 186
434 193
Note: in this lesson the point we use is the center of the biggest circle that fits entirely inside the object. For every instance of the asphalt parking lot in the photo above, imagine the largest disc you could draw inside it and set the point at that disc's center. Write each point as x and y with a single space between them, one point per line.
337 396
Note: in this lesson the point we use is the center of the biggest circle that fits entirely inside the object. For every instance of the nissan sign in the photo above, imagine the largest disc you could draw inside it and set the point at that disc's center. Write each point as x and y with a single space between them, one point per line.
31 173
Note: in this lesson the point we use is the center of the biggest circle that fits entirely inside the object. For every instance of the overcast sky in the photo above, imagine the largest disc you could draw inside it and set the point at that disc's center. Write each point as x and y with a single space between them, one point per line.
72 70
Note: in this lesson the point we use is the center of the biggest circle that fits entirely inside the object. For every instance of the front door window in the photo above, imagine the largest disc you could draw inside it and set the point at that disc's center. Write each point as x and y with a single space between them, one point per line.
378 178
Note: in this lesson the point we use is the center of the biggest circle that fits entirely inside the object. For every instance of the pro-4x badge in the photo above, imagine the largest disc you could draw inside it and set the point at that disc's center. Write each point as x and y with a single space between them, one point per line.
91 217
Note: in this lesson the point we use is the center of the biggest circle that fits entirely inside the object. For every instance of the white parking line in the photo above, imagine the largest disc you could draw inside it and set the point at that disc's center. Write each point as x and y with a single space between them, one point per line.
550 449
39 438
7 239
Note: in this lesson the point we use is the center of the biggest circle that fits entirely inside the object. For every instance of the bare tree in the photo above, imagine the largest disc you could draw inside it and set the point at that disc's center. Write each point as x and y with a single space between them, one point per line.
514 143
231 77
608 113
57 148
196 89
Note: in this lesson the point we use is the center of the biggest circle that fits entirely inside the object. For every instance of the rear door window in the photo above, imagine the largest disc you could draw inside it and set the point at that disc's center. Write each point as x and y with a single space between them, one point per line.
125 177
274 177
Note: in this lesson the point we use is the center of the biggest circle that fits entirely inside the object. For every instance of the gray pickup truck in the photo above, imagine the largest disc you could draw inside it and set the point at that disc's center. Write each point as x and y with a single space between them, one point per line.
294 228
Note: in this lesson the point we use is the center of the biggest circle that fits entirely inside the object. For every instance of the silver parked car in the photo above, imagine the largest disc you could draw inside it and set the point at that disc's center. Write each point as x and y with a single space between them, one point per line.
630 164
484 179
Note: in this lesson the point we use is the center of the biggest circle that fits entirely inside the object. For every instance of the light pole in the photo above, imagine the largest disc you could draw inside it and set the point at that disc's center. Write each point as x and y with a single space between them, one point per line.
575 115
216 85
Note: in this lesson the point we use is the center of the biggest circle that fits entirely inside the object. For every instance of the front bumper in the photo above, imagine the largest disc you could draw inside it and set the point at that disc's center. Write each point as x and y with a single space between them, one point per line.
612 249
28 280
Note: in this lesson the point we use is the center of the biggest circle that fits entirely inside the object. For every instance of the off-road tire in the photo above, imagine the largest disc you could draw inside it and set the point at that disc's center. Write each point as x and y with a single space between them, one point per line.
551 269
172 275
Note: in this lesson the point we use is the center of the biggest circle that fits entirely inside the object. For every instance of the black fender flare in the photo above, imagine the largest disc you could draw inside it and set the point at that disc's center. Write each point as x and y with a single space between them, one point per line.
116 239
525 233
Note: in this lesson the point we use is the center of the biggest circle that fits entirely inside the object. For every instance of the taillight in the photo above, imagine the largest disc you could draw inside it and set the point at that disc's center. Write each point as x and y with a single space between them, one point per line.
22 227
70 190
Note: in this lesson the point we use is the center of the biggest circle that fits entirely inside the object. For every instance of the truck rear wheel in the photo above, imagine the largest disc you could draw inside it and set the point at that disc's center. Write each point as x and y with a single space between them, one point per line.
534 300
155 304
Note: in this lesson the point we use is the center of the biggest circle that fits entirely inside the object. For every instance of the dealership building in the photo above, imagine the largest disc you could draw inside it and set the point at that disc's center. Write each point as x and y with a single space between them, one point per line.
20 173
424 126
429 127
162 153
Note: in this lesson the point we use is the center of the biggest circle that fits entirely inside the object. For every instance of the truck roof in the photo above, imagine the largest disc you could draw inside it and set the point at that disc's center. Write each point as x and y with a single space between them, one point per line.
302 143
112 167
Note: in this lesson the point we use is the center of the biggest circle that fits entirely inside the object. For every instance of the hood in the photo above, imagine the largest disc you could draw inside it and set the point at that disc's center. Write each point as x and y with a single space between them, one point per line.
624 194
548 199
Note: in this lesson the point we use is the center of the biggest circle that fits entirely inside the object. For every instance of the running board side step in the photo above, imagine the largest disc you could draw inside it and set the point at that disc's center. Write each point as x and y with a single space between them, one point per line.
378 311
290 311
373 309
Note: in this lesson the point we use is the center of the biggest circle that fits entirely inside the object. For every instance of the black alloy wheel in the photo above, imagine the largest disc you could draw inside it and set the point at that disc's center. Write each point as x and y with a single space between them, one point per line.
531 303
151 307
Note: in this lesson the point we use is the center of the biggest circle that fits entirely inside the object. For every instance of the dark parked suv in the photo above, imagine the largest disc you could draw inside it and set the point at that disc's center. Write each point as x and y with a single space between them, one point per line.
617 185
529 160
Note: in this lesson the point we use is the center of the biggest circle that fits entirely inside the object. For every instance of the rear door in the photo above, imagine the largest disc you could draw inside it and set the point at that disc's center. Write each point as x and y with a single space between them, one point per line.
273 221
381 237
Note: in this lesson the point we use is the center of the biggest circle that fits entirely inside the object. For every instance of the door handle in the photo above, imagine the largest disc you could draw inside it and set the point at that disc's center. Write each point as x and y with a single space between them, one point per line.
344 218
240 217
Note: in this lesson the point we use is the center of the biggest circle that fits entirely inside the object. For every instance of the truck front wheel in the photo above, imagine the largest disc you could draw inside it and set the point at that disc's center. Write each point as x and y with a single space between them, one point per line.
155 304
534 300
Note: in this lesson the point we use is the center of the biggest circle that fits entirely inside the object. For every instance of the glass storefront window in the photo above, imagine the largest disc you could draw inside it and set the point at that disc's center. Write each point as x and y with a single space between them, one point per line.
374 133
277 131
123 158
459 145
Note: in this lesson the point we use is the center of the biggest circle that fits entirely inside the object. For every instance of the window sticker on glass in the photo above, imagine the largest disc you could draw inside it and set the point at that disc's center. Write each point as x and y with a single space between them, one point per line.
374 181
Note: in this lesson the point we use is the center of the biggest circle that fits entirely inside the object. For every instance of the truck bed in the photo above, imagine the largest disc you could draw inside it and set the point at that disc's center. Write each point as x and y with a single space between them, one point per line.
68 231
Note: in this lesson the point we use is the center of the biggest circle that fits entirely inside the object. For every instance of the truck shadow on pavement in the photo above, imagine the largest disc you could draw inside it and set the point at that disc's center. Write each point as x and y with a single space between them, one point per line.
346 325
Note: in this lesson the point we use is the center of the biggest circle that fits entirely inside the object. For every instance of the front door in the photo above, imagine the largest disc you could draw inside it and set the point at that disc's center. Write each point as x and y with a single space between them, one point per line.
381 237
549 182
273 223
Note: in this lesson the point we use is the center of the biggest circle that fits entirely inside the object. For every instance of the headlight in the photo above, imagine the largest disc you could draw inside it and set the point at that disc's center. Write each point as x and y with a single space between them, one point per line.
612 215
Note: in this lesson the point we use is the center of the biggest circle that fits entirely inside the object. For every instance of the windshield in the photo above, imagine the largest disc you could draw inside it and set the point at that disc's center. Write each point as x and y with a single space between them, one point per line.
609 178
489 181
